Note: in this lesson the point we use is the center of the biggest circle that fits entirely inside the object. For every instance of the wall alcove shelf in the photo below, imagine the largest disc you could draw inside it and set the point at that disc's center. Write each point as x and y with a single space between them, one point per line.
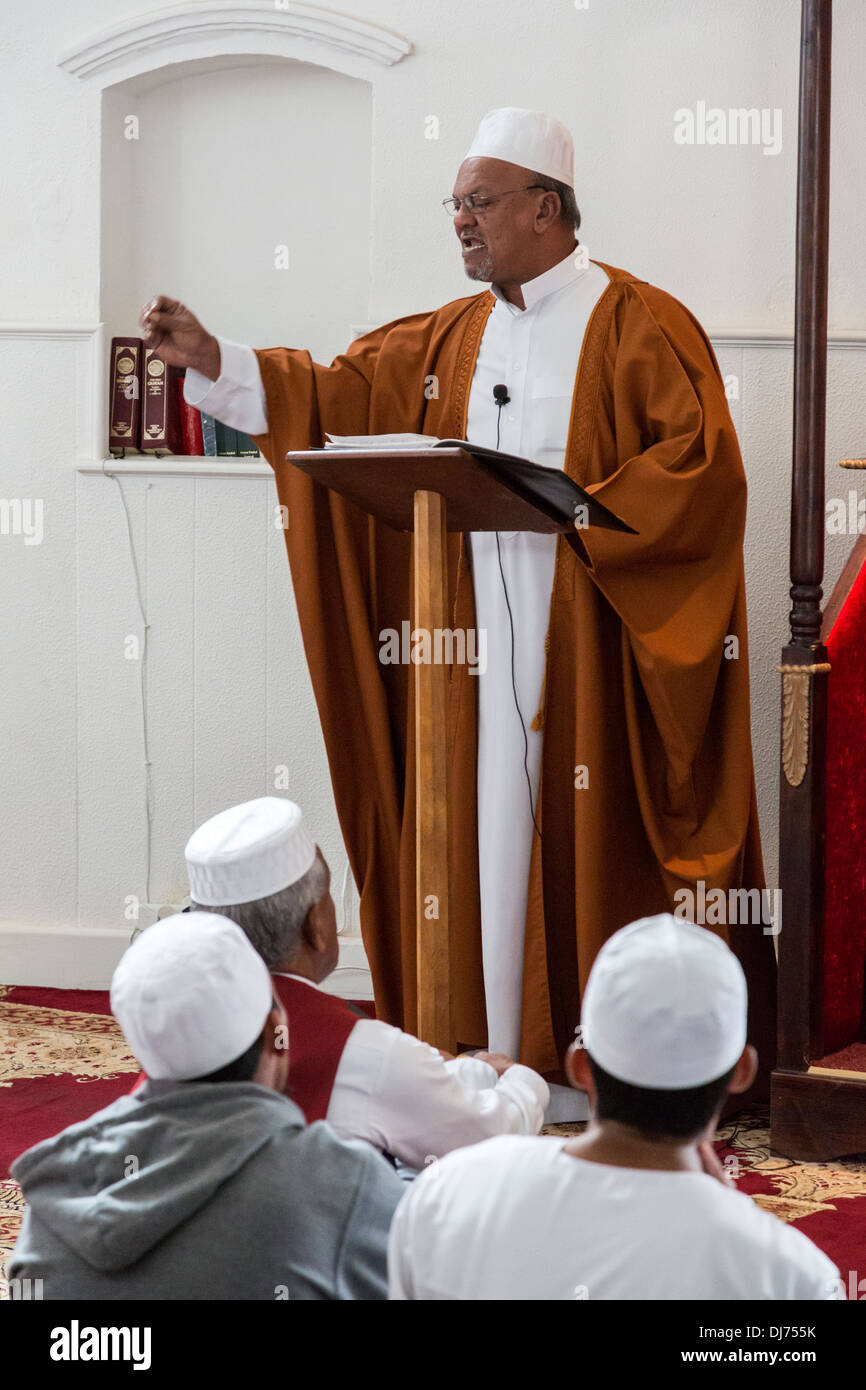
178 466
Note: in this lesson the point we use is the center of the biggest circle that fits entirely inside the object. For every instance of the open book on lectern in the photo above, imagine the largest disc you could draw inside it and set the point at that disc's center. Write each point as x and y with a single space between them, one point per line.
550 490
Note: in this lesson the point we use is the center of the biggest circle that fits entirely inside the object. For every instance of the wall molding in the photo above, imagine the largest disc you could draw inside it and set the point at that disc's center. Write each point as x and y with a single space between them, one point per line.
280 28
68 957
724 337
60 957
728 337
758 338
72 331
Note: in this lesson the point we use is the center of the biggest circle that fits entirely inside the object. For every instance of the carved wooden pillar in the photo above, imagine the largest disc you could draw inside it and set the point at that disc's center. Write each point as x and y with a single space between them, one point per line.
804 660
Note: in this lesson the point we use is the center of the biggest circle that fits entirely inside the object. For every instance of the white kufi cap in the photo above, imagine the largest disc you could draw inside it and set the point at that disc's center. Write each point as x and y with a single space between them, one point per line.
248 852
528 138
665 1005
191 995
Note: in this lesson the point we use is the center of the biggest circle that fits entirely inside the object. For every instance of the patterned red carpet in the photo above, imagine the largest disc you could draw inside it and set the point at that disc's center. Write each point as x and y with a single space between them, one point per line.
63 1057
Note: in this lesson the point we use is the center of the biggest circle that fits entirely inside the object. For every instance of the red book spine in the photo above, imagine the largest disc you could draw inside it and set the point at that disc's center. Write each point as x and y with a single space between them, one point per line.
124 394
190 425
160 411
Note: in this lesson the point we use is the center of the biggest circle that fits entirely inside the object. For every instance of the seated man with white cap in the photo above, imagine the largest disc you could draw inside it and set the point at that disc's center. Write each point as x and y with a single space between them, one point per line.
628 1210
257 864
205 1182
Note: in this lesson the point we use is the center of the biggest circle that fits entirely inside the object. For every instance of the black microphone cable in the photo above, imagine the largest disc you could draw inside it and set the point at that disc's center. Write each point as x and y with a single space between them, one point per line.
501 397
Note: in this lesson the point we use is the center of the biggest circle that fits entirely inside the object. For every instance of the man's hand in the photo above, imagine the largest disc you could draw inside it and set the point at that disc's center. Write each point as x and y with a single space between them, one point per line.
497 1060
712 1165
177 337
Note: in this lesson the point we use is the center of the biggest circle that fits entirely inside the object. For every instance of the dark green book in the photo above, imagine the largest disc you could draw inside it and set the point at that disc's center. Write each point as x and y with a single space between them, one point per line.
226 440
246 447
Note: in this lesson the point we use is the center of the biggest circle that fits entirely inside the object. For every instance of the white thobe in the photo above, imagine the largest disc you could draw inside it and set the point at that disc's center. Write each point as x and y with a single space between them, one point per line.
535 353
395 1092
520 1219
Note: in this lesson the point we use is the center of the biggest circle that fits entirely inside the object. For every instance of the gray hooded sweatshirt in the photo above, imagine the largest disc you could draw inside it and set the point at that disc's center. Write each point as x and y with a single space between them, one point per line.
204 1191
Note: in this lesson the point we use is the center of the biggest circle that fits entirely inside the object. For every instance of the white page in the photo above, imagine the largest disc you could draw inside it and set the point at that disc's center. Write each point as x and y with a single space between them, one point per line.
380 441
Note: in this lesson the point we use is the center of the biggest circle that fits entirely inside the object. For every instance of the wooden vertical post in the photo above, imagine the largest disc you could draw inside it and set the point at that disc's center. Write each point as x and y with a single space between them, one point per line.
804 660
435 1003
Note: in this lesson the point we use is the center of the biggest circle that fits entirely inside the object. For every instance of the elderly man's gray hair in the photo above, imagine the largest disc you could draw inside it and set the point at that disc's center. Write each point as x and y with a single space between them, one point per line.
274 925
570 211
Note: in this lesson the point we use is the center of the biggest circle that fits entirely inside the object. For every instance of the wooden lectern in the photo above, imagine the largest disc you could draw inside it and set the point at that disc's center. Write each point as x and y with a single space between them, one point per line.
450 487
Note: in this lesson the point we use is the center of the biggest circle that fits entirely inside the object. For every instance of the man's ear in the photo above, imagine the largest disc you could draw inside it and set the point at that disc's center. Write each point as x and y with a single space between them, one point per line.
309 930
273 1067
576 1067
552 210
316 928
745 1071
275 1031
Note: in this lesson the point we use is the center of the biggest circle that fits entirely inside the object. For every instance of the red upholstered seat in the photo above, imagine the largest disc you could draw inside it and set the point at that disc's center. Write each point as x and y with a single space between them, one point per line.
845 875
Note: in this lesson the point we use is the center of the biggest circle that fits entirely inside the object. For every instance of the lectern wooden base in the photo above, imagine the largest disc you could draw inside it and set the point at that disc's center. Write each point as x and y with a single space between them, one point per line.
435 999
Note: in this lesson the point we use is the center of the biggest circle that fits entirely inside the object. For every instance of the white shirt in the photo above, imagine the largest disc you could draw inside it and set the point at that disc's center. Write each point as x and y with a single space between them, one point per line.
520 1219
534 352
397 1093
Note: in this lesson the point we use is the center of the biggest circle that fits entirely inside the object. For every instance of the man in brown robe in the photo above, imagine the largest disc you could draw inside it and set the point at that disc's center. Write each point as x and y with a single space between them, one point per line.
646 683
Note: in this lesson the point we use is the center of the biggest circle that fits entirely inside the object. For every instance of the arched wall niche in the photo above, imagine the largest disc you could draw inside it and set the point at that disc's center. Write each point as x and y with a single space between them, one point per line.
214 191
211 188
277 28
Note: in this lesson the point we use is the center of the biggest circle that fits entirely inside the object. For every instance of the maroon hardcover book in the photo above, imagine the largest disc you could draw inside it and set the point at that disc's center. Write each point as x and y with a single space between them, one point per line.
124 394
190 424
160 409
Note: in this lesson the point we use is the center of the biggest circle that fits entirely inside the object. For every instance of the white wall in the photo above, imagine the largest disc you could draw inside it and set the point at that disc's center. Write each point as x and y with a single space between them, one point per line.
342 171
235 158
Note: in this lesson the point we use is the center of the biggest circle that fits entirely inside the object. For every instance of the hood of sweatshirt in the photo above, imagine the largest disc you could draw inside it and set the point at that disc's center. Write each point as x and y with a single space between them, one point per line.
114 1185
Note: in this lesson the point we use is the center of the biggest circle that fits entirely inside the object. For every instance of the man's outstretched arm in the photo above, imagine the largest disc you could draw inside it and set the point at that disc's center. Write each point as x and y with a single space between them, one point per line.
222 377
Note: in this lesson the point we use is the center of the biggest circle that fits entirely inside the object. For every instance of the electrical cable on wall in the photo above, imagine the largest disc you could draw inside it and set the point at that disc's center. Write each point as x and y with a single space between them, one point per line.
347 894
148 776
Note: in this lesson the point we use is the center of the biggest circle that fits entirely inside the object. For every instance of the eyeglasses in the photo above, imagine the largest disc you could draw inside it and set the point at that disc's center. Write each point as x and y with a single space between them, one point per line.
473 202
